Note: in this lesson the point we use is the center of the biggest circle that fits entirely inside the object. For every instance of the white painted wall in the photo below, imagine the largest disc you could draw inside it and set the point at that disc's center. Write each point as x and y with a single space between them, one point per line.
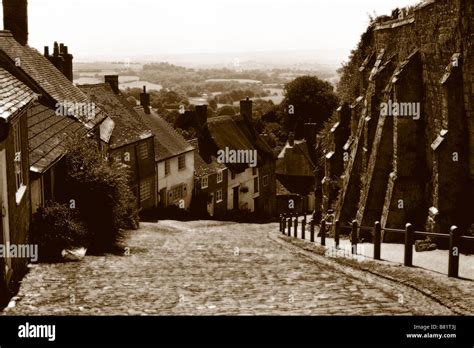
245 199
176 177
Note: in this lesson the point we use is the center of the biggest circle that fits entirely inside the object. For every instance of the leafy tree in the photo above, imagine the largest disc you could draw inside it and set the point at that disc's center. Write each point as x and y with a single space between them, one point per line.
308 99
226 110
348 87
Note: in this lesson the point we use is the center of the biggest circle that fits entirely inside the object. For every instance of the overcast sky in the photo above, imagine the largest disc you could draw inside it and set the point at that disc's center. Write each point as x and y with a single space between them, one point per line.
125 28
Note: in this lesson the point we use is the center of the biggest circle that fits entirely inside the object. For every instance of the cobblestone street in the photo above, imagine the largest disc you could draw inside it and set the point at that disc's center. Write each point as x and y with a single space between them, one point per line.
211 268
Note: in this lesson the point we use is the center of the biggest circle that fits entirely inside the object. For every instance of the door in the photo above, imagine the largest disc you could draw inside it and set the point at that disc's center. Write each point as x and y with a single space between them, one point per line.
236 197
5 226
210 205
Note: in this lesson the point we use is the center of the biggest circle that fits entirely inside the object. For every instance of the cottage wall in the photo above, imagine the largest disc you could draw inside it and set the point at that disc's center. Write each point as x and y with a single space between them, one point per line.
176 177
19 208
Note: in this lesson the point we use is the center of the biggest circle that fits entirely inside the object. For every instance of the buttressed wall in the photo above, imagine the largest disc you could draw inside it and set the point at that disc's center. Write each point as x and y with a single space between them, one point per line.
411 144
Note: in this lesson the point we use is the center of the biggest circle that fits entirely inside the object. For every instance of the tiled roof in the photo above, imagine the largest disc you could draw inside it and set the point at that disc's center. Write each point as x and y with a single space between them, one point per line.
45 74
14 95
295 160
226 133
232 132
47 135
281 190
201 168
168 142
129 126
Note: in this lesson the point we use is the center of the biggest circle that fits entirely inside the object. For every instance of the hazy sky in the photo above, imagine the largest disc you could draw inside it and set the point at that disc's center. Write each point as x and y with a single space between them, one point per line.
125 28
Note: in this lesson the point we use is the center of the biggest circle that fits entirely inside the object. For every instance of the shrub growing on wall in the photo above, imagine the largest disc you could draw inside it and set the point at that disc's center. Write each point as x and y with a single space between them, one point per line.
101 193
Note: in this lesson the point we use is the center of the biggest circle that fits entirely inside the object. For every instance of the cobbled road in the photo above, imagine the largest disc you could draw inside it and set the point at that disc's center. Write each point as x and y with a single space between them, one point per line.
210 268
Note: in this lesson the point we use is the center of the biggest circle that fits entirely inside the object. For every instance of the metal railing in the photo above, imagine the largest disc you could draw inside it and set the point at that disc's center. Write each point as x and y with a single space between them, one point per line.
287 221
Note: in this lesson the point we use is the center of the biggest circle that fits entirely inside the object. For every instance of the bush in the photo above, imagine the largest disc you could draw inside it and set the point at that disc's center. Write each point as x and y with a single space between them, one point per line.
102 193
56 227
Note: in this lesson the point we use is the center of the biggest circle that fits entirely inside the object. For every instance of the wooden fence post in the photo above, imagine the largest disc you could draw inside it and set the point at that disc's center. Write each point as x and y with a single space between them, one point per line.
337 227
323 232
303 228
295 232
354 237
377 240
453 263
312 231
290 223
408 245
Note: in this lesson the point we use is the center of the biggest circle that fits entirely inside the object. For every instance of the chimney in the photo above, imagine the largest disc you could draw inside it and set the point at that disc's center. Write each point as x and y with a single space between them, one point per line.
15 19
113 81
291 139
56 49
201 115
246 109
46 51
145 100
56 59
67 58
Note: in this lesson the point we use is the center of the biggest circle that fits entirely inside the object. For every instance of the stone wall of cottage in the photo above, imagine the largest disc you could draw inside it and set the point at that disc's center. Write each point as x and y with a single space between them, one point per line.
18 211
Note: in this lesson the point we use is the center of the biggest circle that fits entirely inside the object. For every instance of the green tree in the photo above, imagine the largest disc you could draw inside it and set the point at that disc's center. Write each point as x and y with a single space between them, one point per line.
308 99
226 110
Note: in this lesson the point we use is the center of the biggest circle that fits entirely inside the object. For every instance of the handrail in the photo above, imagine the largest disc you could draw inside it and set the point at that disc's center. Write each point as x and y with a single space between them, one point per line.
441 235
455 237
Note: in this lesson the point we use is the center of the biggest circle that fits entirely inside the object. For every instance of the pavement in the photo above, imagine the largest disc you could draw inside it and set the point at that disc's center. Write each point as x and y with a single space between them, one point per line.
215 268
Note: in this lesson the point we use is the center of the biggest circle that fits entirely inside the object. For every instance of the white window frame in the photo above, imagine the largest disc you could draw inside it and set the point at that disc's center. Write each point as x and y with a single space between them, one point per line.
219 196
143 150
205 182
220 176
145 186
183 157
167 167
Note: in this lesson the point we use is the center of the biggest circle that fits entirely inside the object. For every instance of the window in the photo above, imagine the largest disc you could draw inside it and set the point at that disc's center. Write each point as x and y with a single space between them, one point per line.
219 196
181 162
143 151
265 180
18 161
145 190
205 182
167 168
255 184
219 176
254 171
176 193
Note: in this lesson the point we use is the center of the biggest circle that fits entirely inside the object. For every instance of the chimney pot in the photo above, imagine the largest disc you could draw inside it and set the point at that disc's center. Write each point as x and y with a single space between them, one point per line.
46 51
15 19
145 100
61 48
113 81
246 109
56 49
201 115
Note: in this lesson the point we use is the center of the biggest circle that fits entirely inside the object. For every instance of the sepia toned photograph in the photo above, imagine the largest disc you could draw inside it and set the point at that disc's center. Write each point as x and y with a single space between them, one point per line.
237 158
